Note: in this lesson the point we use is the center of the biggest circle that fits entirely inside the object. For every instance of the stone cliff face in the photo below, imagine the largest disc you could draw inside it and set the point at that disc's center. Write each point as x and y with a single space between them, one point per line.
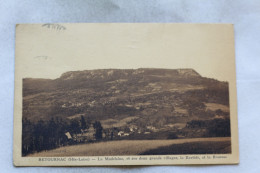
110 73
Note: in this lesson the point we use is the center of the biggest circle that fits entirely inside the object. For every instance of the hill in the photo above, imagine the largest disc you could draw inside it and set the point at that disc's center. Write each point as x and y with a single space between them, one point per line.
128 104
117 94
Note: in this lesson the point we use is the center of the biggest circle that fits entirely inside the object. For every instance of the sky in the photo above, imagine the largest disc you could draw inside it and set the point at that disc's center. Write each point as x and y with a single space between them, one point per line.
47 51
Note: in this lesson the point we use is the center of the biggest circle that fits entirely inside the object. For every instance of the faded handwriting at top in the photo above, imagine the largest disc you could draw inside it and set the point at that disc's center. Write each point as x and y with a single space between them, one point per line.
54 26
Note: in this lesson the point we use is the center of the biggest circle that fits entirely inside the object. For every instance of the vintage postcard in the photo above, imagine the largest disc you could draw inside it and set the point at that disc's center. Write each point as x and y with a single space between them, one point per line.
125 94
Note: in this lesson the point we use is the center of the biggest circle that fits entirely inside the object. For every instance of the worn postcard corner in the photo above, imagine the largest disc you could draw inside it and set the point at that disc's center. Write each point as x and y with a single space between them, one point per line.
125 94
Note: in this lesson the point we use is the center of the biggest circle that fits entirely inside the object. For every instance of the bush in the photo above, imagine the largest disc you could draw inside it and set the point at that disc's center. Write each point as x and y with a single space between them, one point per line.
172 135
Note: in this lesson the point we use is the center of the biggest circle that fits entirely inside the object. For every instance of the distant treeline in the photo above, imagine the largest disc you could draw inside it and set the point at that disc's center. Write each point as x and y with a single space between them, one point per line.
46 135
217 127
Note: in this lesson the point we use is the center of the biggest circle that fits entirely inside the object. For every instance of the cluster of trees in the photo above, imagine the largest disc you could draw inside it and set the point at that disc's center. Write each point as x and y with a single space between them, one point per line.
217 127
42 135
98 127
213 94
46 135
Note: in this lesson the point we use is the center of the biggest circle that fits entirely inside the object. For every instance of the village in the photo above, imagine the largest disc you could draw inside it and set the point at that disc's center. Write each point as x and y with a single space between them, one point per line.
122 133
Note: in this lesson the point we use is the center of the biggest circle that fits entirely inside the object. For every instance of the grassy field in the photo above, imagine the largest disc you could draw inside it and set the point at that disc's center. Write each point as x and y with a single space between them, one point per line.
137 147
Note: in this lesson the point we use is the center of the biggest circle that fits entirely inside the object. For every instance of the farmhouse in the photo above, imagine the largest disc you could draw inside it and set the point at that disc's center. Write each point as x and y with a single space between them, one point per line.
121 133
133 128
126 134
68 135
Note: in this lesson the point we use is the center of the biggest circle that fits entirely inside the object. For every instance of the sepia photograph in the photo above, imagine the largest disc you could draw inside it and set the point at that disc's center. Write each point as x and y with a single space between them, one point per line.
125 94
142 111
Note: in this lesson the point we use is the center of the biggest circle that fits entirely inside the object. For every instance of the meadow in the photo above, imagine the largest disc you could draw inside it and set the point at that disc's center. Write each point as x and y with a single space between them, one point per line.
143 147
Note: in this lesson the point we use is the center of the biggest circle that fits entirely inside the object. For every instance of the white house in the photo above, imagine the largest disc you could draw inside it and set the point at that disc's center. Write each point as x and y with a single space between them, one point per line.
68 135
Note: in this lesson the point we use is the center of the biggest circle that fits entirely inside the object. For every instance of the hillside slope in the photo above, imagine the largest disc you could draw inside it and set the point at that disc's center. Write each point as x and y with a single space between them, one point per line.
156 97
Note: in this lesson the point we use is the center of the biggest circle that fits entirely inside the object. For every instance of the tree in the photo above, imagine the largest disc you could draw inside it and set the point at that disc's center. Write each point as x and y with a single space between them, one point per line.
172 135
61 130
41 136
83 124
27 137
74 126
98 128
52 134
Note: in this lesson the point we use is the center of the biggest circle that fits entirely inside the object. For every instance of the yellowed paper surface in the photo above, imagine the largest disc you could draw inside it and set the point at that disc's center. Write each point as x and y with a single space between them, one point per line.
125 94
